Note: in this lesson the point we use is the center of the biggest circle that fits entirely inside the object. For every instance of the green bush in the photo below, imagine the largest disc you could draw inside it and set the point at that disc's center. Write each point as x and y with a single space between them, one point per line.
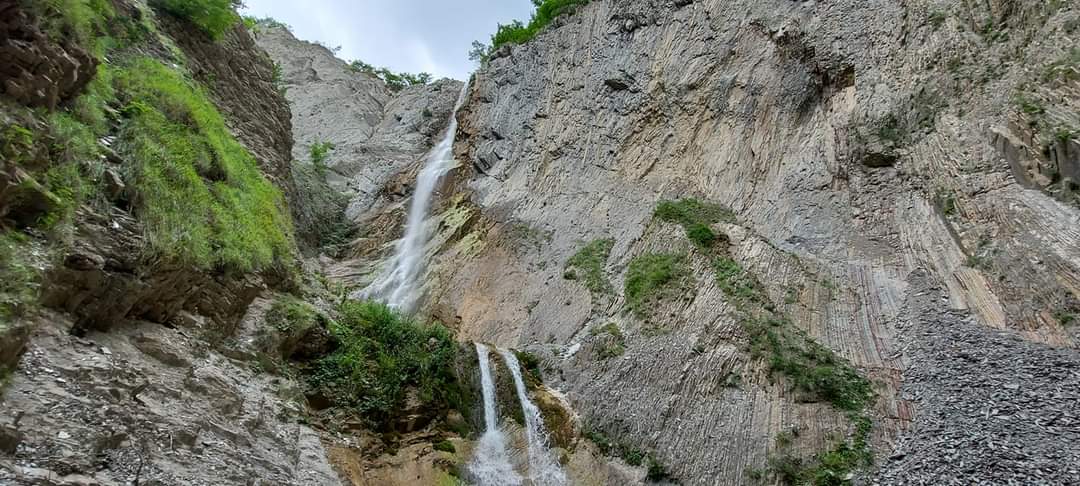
382 353
318 153
696 217
18 278
445 446
612 346
517 32
648 278
200 194
590 260
735 281
81 21
292 315
214 17
829 468
811 367
394 81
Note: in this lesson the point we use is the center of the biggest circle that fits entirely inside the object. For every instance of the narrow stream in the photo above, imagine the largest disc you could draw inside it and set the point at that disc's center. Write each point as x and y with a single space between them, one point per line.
543 468
491 462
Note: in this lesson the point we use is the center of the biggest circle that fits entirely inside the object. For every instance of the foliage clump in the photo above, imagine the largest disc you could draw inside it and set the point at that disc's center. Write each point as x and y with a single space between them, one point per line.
628 453
517 32
381 354
613 342
318 153
652 277
214 17
395 81
18 285
590 261
200 194
696 217
828 468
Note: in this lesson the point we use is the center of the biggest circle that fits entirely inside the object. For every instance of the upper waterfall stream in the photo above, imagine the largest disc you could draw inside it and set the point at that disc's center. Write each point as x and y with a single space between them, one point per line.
397 284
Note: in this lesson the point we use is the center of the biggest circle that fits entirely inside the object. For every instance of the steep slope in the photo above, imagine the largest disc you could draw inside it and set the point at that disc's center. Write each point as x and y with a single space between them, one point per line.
131 294
377 137
851 155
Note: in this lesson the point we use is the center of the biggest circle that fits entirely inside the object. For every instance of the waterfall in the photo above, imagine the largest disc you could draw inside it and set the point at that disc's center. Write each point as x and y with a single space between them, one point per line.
543 468
491 464
397 284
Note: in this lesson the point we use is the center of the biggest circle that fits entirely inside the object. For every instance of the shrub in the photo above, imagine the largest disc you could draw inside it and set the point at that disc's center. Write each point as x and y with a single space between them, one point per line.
319 151
395 81
214 17
81 21
517 32
695 217
18 278
200 194
648 276
382 353
735 281
590 260
445 446
829 468
811 367
612 346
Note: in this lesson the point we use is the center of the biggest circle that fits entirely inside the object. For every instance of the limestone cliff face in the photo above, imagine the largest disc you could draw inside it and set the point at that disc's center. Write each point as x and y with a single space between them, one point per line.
379 138
857 143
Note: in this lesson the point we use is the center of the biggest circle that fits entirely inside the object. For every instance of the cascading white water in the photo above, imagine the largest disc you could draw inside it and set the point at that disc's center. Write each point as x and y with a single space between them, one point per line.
491 463
397 285
543 468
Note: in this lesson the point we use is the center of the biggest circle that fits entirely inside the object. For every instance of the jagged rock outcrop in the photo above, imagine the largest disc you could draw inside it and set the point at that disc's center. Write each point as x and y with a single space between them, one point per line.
378 137
34 69
852 158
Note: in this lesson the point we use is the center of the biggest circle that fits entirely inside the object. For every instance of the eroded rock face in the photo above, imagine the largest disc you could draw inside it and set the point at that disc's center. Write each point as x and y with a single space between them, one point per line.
35 70
850 158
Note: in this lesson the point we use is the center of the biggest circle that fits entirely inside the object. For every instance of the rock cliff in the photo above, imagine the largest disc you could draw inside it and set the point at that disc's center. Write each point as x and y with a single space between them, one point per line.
857 144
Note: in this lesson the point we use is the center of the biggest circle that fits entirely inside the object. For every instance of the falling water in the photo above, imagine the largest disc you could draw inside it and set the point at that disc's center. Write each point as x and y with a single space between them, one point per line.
491 464
397 285
543 469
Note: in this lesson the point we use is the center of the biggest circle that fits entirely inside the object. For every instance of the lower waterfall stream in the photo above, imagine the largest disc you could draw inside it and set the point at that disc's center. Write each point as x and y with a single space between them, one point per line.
543 468
491 465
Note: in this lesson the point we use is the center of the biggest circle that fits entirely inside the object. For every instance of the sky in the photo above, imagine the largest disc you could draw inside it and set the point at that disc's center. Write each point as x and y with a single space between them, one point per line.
413 36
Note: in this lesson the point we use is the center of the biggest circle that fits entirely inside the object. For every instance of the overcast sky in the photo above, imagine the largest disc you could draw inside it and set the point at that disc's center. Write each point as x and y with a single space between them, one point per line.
405 35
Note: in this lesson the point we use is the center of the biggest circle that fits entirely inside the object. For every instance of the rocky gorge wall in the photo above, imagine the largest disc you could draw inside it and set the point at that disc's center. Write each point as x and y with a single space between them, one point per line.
856 142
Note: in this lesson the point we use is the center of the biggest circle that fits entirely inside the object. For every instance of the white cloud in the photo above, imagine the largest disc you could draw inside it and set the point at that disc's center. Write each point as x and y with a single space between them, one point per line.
405 35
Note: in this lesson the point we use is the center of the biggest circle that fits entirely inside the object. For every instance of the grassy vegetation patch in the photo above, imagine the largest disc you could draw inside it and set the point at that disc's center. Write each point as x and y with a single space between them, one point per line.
810 367
735 281
629 454
18 278
214 17
651 278
829 468
589 261
445 446
612 341
200 194
696 217
80 21
382 354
